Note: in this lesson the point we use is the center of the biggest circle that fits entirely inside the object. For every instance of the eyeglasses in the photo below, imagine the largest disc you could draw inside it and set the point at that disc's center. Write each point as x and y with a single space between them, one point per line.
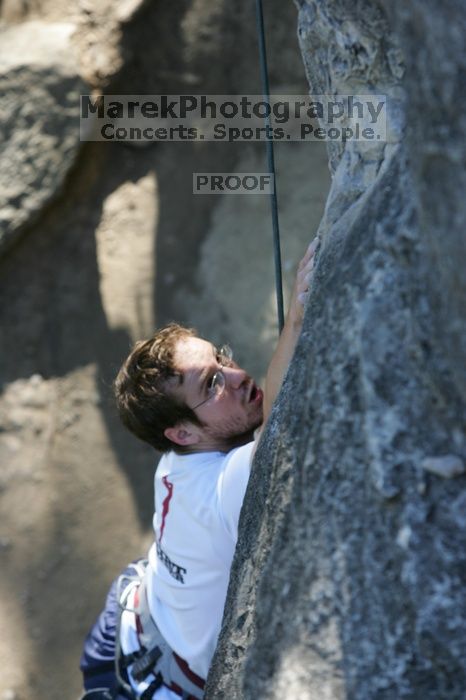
216 384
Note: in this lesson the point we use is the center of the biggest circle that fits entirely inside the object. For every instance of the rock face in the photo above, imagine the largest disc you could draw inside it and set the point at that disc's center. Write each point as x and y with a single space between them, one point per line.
40 88
350 571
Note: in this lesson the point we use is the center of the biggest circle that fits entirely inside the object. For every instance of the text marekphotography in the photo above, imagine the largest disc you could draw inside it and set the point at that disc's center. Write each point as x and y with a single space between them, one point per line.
233 118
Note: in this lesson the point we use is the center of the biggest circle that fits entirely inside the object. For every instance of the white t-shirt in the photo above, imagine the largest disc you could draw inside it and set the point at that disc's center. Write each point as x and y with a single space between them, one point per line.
198 499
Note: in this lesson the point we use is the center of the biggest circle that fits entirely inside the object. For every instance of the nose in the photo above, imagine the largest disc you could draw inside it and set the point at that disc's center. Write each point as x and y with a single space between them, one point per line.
235 376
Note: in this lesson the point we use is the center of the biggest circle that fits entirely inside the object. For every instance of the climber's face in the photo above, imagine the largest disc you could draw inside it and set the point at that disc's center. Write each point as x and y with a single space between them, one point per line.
224 397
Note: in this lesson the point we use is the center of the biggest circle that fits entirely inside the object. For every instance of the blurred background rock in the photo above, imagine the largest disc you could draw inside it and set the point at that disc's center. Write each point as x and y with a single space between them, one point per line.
99 244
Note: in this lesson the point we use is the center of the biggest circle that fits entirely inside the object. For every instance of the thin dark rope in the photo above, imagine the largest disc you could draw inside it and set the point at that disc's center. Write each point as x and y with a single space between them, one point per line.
270 165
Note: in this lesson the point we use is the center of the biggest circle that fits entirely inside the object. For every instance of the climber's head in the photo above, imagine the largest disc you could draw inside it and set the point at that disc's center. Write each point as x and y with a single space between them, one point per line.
146 406
178 391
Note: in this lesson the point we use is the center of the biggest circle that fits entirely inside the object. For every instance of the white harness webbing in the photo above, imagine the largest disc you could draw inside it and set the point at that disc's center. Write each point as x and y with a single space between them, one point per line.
155 658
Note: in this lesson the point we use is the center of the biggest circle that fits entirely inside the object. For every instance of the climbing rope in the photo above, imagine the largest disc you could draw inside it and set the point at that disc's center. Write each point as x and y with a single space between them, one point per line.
270 165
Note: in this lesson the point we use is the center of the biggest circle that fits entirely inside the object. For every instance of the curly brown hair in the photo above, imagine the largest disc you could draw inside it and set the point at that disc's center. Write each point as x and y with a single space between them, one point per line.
144 401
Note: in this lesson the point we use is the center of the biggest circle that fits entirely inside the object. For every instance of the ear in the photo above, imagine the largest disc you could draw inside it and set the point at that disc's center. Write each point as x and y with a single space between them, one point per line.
183 434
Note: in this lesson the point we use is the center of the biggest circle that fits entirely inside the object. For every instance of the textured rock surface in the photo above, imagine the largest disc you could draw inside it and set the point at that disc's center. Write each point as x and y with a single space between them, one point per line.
350 570
99 38
40 88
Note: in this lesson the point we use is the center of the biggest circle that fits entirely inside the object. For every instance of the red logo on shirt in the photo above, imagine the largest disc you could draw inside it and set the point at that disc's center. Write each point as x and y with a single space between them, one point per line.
174 569
166 504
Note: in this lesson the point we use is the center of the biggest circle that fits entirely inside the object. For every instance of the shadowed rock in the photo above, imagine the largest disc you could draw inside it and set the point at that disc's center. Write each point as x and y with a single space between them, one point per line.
40 89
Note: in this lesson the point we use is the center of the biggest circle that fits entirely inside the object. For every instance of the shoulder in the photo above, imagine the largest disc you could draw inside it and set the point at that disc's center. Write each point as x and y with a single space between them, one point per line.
236 466
239 457
232 483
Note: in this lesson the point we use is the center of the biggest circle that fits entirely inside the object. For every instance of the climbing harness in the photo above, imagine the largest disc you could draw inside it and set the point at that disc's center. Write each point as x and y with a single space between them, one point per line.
270 164
155 660
152 665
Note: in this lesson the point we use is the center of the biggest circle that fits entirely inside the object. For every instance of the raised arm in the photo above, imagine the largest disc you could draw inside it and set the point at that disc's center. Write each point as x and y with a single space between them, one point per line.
291 330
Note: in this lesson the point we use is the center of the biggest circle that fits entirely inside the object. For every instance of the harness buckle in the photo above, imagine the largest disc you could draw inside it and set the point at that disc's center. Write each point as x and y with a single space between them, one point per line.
142 666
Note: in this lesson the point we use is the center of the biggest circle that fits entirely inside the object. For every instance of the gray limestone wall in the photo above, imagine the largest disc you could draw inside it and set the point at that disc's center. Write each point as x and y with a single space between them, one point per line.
350 571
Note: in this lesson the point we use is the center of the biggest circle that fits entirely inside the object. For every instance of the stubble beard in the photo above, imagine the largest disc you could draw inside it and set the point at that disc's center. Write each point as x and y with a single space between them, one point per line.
232 433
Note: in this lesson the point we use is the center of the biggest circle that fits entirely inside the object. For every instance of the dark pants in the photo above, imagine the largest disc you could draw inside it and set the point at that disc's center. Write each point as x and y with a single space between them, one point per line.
98 658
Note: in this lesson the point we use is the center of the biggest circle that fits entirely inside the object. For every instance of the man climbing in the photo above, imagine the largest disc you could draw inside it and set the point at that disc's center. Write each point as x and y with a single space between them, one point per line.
191 401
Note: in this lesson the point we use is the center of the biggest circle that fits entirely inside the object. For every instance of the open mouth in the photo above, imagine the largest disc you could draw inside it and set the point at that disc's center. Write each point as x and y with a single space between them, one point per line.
255 394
